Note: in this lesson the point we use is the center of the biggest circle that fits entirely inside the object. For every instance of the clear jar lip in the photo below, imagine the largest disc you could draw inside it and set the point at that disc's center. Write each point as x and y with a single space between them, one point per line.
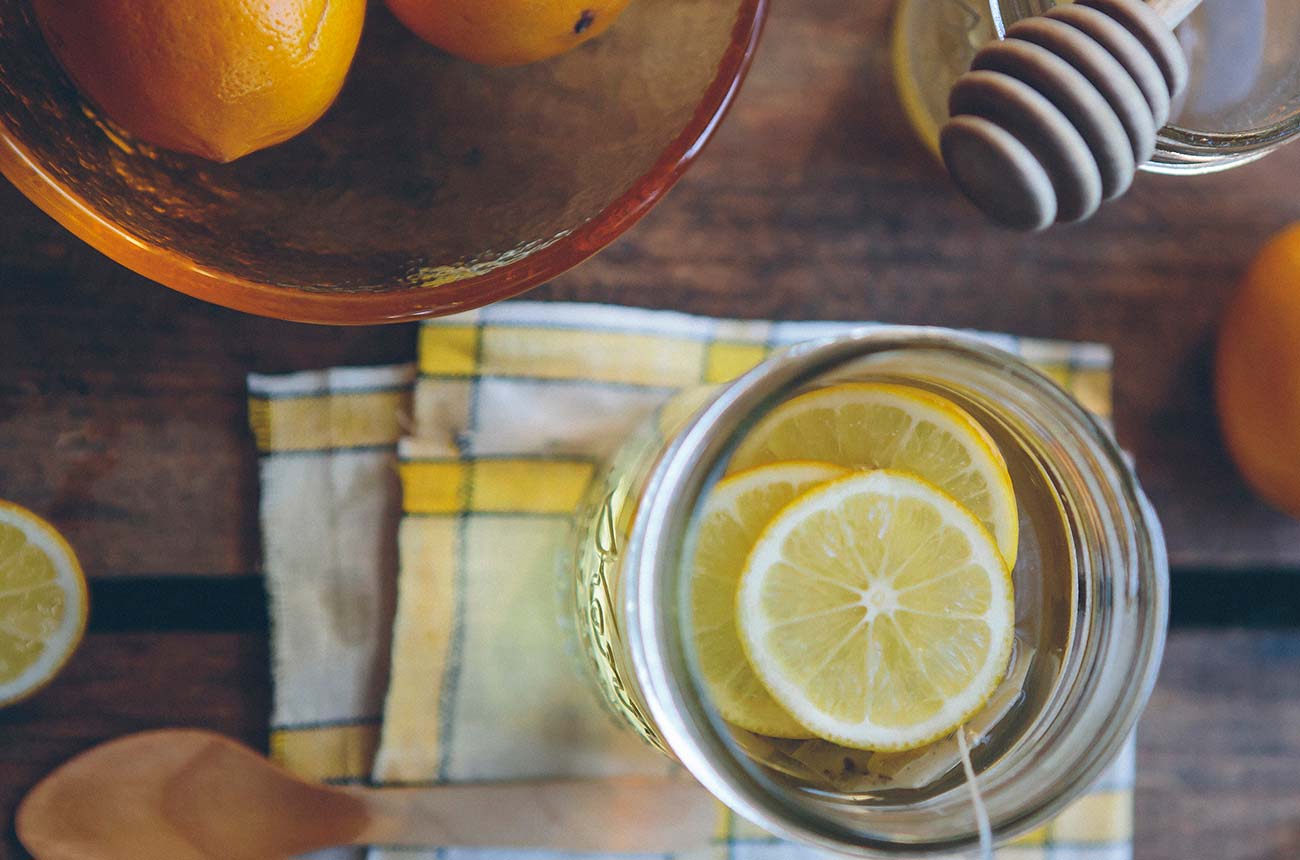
1182 150
659 659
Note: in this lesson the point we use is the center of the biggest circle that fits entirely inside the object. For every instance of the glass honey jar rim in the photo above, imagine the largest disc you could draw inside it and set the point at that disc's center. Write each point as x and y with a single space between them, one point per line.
1104 681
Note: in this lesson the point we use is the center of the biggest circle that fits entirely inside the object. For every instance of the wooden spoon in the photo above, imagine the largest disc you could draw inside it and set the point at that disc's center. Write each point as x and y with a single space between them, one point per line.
194 795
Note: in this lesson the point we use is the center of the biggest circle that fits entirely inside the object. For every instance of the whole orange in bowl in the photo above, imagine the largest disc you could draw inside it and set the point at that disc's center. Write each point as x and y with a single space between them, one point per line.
1257 373
506 32
216 78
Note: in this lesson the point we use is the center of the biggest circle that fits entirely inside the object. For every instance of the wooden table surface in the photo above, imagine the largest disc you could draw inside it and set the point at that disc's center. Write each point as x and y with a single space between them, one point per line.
122 413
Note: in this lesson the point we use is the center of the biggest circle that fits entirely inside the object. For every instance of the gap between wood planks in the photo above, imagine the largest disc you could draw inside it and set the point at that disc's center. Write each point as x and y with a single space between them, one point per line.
1200 598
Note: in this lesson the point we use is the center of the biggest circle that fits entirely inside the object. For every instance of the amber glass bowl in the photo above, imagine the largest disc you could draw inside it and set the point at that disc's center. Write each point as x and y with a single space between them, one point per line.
431 186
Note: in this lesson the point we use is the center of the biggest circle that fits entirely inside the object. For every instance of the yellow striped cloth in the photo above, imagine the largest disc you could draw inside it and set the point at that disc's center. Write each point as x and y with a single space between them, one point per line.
510 412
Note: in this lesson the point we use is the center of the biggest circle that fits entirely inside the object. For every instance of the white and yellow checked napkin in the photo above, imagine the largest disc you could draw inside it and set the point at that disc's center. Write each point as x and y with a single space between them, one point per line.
493 438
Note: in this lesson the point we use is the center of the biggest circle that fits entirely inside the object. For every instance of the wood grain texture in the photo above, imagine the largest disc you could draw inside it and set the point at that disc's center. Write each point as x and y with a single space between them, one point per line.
121 403
1219 750
1218 763
122 413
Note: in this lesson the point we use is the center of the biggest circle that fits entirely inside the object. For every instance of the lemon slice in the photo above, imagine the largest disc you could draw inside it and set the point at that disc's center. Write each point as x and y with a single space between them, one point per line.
730 521
877 611
42 603
884 426
933 43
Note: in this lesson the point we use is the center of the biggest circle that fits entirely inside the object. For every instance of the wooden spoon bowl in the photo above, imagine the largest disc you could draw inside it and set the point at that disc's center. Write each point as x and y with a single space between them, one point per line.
194 795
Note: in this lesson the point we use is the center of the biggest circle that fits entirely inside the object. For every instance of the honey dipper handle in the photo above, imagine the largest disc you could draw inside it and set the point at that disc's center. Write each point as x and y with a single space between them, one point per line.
1174 12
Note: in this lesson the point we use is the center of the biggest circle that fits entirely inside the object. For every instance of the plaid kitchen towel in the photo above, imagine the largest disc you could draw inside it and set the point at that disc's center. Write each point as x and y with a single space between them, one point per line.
512 409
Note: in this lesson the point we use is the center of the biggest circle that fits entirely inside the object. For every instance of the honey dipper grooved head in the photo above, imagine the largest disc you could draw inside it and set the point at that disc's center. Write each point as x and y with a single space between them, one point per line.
991 165
1154 34
1085 107
1103 71
1046 132
1127 51
1081 92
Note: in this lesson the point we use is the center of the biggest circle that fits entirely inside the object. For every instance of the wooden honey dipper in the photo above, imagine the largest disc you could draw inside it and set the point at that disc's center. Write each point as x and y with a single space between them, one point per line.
1056 117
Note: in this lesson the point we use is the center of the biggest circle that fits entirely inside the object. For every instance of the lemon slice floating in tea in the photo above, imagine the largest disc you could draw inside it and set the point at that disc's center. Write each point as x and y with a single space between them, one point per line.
42 603
877 611
885 426
730 521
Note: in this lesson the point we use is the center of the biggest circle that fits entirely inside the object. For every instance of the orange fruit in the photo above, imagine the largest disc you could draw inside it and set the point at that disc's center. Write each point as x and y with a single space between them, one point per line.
1257 373
216 78
506 32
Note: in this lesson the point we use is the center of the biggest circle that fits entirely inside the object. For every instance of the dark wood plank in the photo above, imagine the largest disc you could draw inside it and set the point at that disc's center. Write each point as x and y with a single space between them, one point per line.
121 410
122 413
1219 747
1219 750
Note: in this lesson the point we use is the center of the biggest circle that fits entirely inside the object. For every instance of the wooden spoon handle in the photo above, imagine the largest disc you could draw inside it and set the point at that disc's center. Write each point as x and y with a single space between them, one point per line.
651 815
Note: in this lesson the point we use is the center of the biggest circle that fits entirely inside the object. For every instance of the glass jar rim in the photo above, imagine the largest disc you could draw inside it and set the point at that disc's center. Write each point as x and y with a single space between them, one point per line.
659 656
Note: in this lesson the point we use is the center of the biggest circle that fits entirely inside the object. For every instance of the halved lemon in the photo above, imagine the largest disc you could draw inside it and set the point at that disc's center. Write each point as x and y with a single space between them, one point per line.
730 521
877 611
42 603
887 426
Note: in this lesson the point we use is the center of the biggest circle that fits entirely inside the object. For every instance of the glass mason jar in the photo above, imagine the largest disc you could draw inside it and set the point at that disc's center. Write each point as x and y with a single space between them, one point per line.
1091 585
1243 100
